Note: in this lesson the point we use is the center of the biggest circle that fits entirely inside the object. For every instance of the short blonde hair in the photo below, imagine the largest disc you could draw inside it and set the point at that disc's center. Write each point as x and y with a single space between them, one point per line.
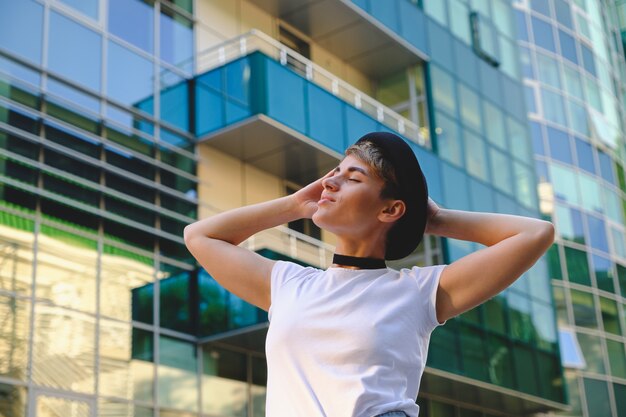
370 154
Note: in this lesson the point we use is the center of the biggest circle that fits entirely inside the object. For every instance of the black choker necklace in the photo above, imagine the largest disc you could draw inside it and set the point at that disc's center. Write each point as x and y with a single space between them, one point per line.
361 262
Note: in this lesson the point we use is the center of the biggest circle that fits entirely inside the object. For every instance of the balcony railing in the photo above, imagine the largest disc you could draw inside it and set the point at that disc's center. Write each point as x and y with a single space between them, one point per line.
255 40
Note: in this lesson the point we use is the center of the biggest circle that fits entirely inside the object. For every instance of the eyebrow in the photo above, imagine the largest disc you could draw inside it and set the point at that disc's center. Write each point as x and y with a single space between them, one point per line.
352 169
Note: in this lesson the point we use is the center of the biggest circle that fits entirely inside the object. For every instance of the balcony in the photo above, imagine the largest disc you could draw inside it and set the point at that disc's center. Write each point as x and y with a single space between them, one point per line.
266 105
377 40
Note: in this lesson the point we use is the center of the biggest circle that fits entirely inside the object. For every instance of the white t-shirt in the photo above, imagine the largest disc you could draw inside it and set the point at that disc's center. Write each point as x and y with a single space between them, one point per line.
348 343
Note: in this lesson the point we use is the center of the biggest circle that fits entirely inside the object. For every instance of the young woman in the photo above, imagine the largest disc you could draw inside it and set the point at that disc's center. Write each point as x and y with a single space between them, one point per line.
352 340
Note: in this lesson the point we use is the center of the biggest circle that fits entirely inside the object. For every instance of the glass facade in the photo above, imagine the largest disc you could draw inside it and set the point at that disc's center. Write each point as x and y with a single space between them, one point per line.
113 140
574 74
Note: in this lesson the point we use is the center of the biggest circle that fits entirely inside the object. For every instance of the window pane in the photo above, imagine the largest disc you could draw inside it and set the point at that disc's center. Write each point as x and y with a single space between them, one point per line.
564 182
126 361
177 374
133 21
591 195
520 317
176 39
578 117
548 70
224 386
448 143
174 96
591 347
584 152
500 170
554 262
617 358
459 20
21 26
543 34
14 337
553 107
475 158
577 267
571 355
470 108
584 309
176 305
572 82
568 47
604 273
610 317
495 127
597 233
443 89
87 7
563 13
64 345
74 51
600 406
130 78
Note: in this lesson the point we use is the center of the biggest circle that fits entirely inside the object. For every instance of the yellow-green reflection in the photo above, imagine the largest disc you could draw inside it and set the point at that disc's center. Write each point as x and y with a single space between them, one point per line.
16 254
224 387
12 401
66 269
178 379
122 374
63 349
14 326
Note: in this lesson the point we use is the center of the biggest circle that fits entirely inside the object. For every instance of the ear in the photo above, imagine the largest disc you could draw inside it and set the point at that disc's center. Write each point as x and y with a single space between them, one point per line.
392 211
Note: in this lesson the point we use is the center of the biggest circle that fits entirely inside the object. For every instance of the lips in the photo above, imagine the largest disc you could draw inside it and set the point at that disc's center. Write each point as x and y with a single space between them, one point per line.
325 198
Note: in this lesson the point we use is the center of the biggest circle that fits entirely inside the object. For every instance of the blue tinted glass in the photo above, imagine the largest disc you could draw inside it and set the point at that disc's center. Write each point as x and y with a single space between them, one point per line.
448 139
543 34
577 226
174 100
568 46
537 136
584 152
530 99
541 6
357 124
129 78
176 40
87 7
21 26
542 171
209 110
326 121
133 21
454 187
571 355
285 91
19 71
606 167
588 60
559 142
74 51
597 233
522 29
237 81
563 13
527 65
68 93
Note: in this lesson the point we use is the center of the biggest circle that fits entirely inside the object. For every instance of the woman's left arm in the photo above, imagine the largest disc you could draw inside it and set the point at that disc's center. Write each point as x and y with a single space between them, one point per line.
514 243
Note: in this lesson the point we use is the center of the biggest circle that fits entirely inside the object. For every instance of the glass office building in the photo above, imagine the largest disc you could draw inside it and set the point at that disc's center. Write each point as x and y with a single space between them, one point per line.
574 73
121 121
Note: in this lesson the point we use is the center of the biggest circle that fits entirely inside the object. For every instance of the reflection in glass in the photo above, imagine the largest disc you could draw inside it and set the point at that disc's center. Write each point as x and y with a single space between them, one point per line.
133 21
21 26
63 349
66 269
121 273
126 368
600 405
12 401
584 309
74 51
72 94
174 95
571 355
224 386
87 7
176 39
14 336
448 143
130 78
16 252
178 379
520 317
617 357
48 406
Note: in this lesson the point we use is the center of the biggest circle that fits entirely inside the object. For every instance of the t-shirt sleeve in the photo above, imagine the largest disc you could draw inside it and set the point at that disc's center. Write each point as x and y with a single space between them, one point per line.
282 272
427 279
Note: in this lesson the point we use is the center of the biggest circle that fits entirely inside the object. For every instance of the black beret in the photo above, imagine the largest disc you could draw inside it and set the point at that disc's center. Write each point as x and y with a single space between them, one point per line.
408 231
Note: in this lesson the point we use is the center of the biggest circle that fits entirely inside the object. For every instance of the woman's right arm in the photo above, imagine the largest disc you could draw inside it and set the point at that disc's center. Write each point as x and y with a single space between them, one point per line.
214 242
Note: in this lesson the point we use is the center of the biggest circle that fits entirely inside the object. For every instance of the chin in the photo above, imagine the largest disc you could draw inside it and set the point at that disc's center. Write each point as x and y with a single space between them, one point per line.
320 221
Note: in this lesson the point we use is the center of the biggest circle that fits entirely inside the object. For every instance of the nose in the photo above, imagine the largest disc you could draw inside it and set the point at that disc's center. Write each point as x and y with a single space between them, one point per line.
329 183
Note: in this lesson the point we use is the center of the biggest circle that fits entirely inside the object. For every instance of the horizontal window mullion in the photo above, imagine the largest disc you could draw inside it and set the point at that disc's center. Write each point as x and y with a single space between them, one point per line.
85 207
95 162
104 141
96 187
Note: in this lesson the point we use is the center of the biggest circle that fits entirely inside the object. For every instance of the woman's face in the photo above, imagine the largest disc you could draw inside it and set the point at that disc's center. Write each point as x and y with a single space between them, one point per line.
350 203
